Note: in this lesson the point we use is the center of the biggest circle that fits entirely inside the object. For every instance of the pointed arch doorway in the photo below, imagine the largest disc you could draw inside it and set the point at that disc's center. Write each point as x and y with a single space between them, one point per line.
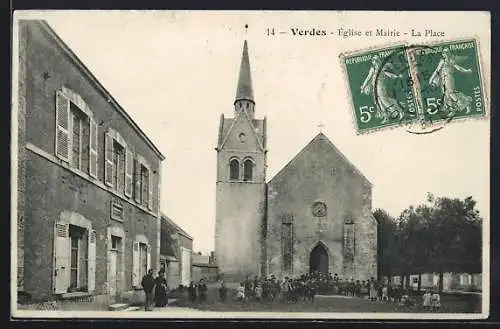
318 259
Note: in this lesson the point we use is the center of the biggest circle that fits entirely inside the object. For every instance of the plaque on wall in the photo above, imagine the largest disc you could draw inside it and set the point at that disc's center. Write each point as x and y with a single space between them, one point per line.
117 210
319 209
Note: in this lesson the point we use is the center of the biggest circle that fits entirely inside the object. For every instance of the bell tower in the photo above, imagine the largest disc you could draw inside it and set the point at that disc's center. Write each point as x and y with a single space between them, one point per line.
240 183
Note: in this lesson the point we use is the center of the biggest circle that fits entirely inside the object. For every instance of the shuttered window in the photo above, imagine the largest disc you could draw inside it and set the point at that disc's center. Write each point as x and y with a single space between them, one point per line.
62 127
108 157
144 185
76 139
92 242
61 258
136 279
76 133
94 132
150 191
118 166
129 172
118 163
137 181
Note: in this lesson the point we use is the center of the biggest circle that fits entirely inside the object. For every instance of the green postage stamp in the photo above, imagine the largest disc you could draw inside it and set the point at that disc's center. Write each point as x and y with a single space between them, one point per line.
415 84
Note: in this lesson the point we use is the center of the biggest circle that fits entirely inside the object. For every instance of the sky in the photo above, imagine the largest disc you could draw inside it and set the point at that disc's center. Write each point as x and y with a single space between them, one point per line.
176 72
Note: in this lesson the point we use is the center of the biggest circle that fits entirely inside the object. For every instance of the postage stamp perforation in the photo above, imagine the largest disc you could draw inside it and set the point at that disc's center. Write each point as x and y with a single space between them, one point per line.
403 79
484 83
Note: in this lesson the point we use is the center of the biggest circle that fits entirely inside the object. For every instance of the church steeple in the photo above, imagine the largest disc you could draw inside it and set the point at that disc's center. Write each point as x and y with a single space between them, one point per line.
244 92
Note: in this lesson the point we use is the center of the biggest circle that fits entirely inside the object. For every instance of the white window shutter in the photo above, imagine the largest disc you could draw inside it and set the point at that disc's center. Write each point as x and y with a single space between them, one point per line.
148 261
63 146
108 165
136 280
137 180
129 172
61 258
150 190
94 132
91 260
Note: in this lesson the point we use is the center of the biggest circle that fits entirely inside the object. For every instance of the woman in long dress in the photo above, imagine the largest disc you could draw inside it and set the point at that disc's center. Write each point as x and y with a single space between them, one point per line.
161 290
376 80
443 77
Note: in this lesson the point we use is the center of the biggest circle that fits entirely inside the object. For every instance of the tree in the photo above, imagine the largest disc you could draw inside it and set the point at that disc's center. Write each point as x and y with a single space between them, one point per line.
386 237
444 235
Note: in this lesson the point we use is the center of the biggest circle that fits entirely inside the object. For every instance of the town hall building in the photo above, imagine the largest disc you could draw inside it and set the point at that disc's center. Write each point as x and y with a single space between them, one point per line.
313 215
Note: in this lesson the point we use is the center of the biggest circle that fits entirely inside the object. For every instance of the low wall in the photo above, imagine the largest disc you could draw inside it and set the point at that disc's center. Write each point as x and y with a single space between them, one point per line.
208 272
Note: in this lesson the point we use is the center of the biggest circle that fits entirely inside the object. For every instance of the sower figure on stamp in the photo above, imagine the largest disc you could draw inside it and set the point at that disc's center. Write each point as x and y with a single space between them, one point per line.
443 77
148 283
376 81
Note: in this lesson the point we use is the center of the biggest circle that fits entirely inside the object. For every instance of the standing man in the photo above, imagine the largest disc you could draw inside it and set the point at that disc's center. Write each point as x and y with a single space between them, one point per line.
148 283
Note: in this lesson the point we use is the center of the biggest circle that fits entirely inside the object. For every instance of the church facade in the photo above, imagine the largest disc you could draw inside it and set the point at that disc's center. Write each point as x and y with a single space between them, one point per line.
313 215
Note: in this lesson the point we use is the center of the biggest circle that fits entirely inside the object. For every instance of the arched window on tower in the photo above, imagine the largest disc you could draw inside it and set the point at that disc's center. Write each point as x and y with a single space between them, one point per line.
248 170
234 169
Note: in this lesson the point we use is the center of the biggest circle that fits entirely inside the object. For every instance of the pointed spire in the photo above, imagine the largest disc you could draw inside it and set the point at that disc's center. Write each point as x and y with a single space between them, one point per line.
244 91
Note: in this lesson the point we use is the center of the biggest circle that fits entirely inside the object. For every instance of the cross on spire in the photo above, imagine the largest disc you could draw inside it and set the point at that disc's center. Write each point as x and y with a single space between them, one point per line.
321 126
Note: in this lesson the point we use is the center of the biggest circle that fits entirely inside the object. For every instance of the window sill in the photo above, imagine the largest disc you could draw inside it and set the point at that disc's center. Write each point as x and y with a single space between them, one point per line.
241 181
76 294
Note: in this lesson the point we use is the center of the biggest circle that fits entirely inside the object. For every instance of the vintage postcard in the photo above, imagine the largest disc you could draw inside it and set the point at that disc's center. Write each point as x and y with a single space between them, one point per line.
251 164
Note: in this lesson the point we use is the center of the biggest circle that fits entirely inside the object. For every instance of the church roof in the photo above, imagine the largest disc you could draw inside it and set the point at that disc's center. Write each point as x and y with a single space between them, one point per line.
244 89
319 138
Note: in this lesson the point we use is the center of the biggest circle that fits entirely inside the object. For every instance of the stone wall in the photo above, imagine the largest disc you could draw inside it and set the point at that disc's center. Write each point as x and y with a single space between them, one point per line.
21 151
51 190
54 187
239 215
319 173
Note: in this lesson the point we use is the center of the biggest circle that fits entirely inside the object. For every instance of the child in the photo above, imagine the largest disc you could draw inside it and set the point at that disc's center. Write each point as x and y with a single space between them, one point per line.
192 292
385 297
202 291
258 292
240 293
405 299
223 292
436 301
426 300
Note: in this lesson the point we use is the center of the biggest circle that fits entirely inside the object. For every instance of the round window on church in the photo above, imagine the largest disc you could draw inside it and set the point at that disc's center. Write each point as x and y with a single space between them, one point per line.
319 209
242 137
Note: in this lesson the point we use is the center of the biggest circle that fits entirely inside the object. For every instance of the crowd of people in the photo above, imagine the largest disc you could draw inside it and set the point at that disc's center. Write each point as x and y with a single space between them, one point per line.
306 286
302 288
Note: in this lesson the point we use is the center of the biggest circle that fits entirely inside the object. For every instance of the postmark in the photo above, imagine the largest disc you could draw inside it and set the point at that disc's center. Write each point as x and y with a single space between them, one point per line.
449 81
422 87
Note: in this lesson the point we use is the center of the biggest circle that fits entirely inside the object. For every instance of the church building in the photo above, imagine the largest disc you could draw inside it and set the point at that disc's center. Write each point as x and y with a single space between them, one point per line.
313 215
